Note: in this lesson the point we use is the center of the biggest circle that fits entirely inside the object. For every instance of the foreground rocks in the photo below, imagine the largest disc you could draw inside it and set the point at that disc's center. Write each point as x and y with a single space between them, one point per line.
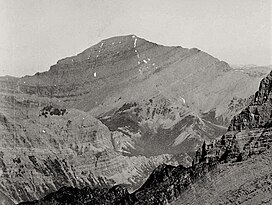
168 183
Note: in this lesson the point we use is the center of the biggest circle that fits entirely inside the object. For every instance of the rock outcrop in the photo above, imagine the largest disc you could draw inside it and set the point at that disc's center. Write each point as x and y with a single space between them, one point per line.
258 113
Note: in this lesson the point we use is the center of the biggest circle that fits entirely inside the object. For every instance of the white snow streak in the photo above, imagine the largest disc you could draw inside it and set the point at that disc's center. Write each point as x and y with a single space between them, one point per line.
94 74
135 42
183 100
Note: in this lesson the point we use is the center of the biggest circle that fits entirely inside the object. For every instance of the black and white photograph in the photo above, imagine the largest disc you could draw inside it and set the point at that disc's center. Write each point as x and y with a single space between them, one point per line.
135 102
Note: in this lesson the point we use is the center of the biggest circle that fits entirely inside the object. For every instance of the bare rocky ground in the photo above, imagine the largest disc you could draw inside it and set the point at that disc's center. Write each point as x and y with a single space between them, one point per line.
113 113
248 182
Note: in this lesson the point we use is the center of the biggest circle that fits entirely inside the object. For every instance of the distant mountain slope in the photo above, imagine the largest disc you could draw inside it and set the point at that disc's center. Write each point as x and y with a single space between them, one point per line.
129 104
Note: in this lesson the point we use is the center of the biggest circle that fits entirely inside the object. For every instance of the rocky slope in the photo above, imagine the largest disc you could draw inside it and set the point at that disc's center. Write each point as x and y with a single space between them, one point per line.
113 113
234 169
247 182
45 146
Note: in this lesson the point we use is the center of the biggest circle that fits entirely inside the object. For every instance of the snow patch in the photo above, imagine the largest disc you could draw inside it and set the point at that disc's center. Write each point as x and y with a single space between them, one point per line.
183 100
145 61
129 144
153 64
133 36
94 74
182 137
135 42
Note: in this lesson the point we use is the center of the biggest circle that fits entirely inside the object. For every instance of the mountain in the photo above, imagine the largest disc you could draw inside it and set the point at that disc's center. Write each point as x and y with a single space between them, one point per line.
234 169
113 113
168 86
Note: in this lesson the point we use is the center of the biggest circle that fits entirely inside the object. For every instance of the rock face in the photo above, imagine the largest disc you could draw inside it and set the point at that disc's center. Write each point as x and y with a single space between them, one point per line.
221 173
258 113
113 113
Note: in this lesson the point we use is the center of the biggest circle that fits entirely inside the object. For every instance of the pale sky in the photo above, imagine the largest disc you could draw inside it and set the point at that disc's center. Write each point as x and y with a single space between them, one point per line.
35 34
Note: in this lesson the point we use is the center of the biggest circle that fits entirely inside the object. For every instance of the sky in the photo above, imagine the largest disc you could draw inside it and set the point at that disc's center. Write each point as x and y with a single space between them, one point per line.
35 34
